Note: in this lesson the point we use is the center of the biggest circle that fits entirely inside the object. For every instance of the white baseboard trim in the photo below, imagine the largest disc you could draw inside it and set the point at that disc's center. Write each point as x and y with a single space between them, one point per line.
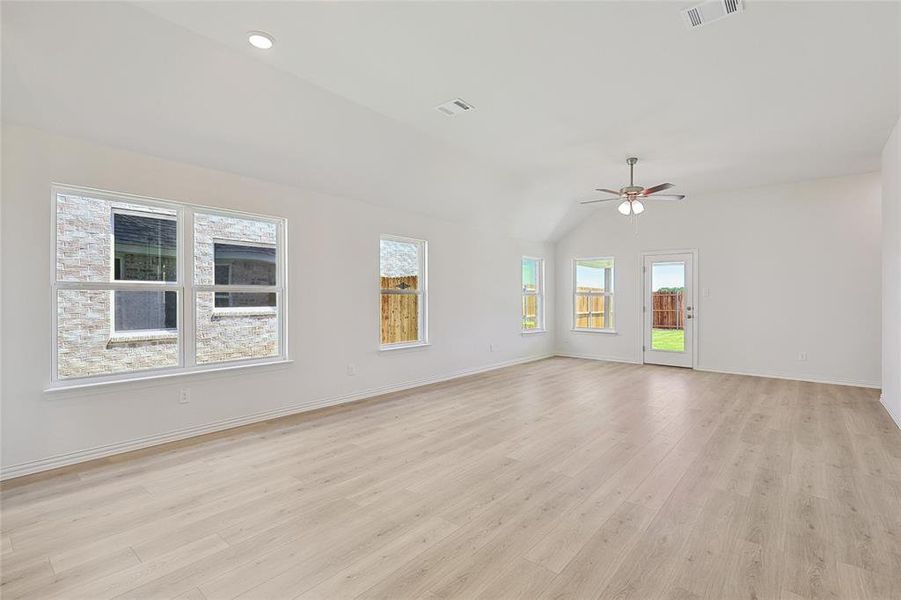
79 456
848 382
597 357
895 418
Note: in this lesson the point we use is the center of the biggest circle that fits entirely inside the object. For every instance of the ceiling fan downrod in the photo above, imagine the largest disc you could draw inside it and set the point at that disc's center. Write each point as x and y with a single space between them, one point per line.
631 162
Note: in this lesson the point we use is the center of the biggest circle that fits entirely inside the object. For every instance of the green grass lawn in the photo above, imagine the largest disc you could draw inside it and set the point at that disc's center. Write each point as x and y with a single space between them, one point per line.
668 339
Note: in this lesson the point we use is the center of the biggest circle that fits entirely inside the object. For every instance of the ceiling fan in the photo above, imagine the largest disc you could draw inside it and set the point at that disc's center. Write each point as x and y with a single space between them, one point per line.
632 195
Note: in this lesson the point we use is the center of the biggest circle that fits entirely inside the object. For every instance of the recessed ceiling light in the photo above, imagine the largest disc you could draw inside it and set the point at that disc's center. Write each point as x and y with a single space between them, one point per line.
260 39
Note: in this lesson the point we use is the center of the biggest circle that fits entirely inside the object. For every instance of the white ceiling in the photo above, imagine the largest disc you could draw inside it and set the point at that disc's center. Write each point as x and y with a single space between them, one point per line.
563 93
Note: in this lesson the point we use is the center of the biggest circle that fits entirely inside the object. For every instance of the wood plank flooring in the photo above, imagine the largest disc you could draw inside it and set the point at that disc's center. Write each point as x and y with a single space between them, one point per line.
562 478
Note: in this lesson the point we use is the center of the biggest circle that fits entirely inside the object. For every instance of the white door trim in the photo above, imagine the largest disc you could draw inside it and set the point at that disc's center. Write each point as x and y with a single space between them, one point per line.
694 293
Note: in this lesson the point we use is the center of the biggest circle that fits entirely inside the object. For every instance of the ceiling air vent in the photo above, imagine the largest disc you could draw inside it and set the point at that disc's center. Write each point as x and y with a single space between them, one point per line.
454 107
708 12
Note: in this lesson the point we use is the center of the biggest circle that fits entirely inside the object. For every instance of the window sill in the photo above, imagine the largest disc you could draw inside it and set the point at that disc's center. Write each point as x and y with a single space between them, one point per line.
583 330
532 331
123 338
244 311
404 346
161 376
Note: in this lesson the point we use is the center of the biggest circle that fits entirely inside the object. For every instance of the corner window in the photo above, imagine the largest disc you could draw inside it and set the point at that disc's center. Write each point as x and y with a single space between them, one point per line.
403 291
532 294
137 284
593 294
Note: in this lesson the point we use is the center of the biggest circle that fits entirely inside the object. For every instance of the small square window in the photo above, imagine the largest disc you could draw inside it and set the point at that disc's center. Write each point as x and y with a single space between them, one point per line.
243 264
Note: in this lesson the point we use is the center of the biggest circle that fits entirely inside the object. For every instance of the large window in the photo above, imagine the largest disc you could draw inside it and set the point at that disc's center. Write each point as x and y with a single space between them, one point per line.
403 287
593 294
532 294
142 285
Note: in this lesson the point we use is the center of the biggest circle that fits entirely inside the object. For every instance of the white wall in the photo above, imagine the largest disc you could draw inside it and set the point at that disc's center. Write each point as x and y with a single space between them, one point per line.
333 276
790 268
891 277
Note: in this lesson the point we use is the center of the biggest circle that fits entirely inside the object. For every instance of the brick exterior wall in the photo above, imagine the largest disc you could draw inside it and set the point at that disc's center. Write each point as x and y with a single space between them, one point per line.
87 344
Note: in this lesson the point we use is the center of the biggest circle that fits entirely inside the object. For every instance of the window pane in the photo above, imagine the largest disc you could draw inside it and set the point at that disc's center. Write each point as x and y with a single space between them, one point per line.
530 274
238 264
253 265
594 275
668 306
596 320
87 344
249 332
139 311
144 247
594 312
399 265
243 300
400 318
530 312
84 231
581 311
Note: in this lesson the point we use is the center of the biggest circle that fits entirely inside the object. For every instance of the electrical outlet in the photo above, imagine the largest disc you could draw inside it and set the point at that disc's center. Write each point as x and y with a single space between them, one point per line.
351 369
184 396
492 348
802 356
705 292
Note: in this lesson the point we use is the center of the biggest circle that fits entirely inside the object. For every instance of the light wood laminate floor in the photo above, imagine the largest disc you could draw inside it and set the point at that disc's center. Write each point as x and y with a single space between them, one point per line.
562 478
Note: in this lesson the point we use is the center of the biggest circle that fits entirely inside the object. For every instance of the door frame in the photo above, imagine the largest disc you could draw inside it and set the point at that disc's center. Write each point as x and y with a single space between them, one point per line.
642 315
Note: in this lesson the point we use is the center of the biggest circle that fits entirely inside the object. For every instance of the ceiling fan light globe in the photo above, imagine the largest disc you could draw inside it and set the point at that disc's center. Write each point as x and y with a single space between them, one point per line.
625 208
637 207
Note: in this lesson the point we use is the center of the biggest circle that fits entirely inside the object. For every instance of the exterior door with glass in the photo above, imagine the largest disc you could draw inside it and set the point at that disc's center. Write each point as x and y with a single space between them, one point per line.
668 309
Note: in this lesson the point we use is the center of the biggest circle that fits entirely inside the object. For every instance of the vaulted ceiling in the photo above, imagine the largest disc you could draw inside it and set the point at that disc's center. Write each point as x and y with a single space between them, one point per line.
564 92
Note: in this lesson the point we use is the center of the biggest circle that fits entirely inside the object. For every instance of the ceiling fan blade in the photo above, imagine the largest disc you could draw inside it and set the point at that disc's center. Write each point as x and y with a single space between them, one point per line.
598 200
666 197
606 191
656 188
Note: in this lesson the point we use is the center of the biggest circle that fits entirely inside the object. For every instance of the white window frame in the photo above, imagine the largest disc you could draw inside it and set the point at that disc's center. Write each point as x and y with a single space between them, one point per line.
539 293
132 334
421 291
184 285
608 303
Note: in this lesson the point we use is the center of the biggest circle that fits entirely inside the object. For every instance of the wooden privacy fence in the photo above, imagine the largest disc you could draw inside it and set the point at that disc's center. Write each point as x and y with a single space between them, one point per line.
529 312
400 312
590 311
668 310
